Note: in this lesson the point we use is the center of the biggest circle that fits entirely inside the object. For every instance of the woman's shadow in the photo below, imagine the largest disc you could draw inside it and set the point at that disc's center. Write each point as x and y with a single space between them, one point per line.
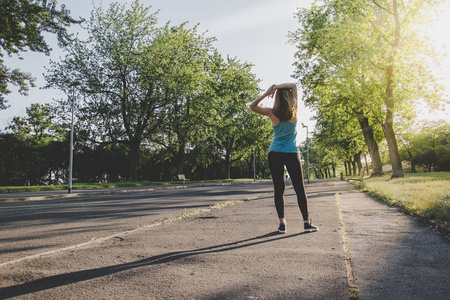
78 276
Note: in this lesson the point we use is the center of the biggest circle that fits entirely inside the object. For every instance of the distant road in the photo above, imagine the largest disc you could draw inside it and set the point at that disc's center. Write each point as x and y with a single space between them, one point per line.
30 228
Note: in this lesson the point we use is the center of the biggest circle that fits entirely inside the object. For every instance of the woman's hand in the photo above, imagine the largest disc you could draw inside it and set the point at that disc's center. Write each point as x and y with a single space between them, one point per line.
271 91
265 111
262 110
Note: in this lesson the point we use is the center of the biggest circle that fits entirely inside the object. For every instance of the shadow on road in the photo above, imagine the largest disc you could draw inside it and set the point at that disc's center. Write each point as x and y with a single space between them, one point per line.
74 277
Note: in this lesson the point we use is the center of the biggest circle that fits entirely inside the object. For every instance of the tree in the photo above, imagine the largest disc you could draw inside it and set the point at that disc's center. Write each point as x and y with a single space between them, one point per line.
427 146
327 84
186 77
42 146
132 73
12 163
237 130
367 61
39 125
22 24
153 88
336 138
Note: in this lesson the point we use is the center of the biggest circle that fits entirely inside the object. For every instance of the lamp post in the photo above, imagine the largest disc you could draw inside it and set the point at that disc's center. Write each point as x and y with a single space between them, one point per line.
73 85
254 163
307 147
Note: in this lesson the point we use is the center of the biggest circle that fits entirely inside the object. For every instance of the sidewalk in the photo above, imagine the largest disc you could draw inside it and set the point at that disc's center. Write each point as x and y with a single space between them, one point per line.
393 256
234 253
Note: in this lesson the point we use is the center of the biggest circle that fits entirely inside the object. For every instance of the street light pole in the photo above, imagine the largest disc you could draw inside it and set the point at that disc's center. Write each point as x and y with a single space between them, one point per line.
307 147
254 163
73 85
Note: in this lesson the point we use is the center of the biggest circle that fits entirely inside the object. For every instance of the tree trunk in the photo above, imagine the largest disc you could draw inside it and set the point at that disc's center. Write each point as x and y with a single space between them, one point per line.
394 155
372 145
347 168
354 167
410 158
367 165
388 126
227 164
357 159
180 160
134 159
249 167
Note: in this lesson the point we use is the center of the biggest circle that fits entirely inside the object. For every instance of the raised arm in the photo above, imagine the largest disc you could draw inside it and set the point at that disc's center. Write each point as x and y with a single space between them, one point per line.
262 110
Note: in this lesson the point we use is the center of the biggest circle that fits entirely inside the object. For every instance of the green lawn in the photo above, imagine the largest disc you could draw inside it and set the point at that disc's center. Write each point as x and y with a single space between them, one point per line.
16 189
75 186
425 194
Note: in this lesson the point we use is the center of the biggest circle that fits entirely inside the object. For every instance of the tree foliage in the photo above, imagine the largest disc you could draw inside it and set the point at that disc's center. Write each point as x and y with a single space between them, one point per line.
35 150
159 89
235 127
40 125
427 147
367 59
23 23
133 74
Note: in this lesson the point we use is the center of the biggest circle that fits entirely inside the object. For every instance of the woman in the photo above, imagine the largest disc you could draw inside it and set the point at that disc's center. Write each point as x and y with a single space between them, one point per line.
283 149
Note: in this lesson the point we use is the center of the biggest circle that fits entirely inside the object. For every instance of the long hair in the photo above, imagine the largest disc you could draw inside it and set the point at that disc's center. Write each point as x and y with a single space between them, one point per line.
285 106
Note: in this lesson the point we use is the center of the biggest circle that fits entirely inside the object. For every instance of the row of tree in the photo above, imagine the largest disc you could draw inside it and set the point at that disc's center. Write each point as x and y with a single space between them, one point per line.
363 64
424 147
160 101
151 95
153 87
37 150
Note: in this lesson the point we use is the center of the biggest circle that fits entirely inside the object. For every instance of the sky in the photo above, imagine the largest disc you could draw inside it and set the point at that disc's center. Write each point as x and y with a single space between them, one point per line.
254 31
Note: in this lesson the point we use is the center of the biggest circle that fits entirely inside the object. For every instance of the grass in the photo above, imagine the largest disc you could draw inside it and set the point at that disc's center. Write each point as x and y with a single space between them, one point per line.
186 214
75 186
426 195
16 189
348 254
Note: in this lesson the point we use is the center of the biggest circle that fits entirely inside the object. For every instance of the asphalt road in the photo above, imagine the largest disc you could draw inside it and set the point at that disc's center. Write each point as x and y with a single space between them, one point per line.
363 247
30 228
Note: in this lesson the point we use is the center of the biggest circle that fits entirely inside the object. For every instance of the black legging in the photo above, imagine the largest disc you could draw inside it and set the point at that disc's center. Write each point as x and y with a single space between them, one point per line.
277 161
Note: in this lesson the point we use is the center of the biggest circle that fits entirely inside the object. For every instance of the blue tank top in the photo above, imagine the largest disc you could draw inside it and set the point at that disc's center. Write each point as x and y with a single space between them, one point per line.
284 138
